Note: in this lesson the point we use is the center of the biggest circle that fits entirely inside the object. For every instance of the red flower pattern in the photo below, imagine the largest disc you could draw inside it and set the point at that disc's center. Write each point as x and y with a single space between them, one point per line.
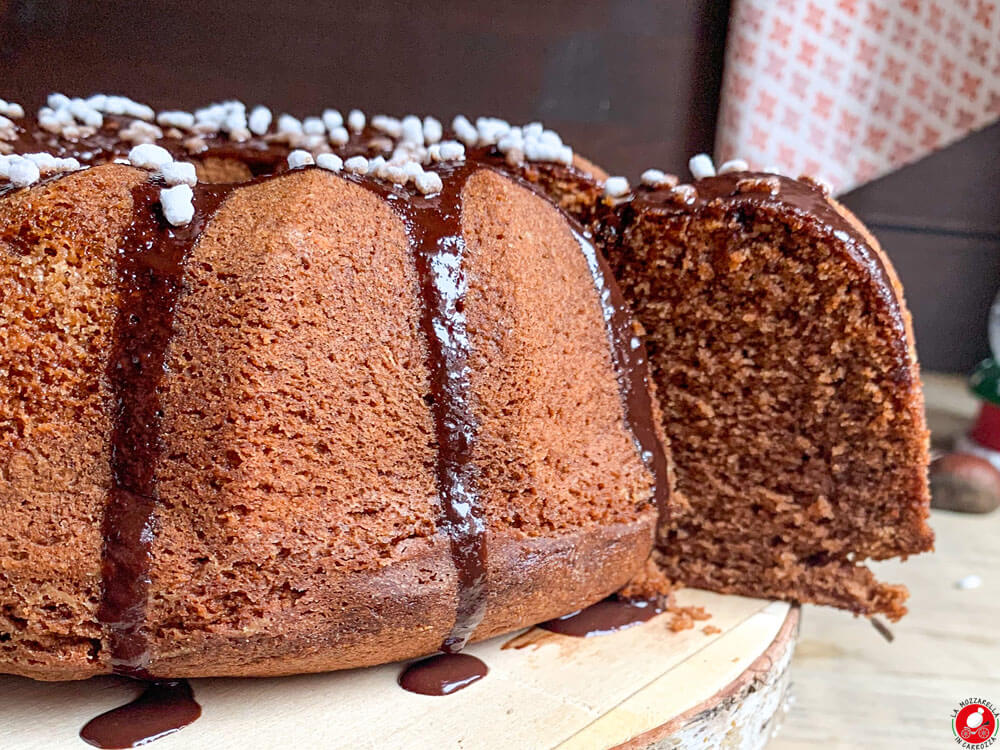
850 89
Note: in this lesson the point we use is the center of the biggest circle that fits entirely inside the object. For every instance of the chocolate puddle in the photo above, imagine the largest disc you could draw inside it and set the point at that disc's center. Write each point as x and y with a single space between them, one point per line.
607 616
163 708
442 674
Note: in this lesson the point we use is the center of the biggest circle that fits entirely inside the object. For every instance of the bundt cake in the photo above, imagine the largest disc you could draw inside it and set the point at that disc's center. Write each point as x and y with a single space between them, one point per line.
301 395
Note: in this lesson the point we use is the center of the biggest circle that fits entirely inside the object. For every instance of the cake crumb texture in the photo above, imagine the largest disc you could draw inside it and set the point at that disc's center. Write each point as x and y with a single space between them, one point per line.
790 398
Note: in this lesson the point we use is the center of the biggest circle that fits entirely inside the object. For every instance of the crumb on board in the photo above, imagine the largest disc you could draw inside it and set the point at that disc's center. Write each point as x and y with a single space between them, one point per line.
685 617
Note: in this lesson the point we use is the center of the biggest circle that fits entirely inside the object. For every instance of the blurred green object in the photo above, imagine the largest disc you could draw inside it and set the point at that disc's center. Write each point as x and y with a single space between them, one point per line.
985 381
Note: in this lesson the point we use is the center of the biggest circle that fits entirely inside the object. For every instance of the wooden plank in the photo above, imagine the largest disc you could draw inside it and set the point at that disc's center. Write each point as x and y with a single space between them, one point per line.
538 696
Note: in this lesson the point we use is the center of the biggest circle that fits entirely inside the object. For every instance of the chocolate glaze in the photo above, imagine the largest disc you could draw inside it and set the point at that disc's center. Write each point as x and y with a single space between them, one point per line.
163 708
442 674
434 228
628 355
607 616
150 277
747 192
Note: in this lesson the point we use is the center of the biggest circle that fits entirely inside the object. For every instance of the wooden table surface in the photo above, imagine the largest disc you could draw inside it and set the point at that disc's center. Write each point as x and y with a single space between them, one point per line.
851 689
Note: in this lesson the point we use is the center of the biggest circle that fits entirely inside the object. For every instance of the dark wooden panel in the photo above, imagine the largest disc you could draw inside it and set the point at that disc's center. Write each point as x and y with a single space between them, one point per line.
632 84
939 221
629 83
950 282
956 189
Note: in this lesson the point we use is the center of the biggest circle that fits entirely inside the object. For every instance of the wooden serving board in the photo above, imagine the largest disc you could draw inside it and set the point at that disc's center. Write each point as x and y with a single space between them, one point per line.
644 687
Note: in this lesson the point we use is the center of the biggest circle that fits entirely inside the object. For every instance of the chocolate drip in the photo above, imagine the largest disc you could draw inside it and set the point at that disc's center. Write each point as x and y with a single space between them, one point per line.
163 708
442 674
434 228
150 277
607 616
628 355
150 271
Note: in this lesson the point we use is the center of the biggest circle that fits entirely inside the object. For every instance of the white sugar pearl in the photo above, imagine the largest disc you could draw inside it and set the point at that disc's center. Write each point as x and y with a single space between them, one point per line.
149 156
551 137
289 124
428 182
10 109
972 581
332 119
513 140
356 165
465 131
535 150
376 165
356 120
391 126
491 129
114 105
734 165
701 166
140 111
412 130
44 162
23 172
85 113
140 131
656 179
48 164
68 164
395 173
235 121
313 126
331 162
179 173
616 187
412 169
178 205
433 130
452 151
259 120
58 101
300 158
339 136
182 120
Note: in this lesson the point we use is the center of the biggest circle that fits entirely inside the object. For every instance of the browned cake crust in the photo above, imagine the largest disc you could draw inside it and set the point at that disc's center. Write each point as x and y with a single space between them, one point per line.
784 360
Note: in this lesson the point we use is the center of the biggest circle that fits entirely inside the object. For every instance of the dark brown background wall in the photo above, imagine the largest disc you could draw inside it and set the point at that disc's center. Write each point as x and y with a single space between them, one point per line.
631 84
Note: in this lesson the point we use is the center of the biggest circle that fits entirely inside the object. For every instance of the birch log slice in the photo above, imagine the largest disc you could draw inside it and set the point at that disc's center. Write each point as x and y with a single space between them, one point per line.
645 687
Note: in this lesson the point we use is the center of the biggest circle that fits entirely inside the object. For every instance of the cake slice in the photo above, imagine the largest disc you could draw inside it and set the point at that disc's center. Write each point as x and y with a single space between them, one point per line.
783 356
